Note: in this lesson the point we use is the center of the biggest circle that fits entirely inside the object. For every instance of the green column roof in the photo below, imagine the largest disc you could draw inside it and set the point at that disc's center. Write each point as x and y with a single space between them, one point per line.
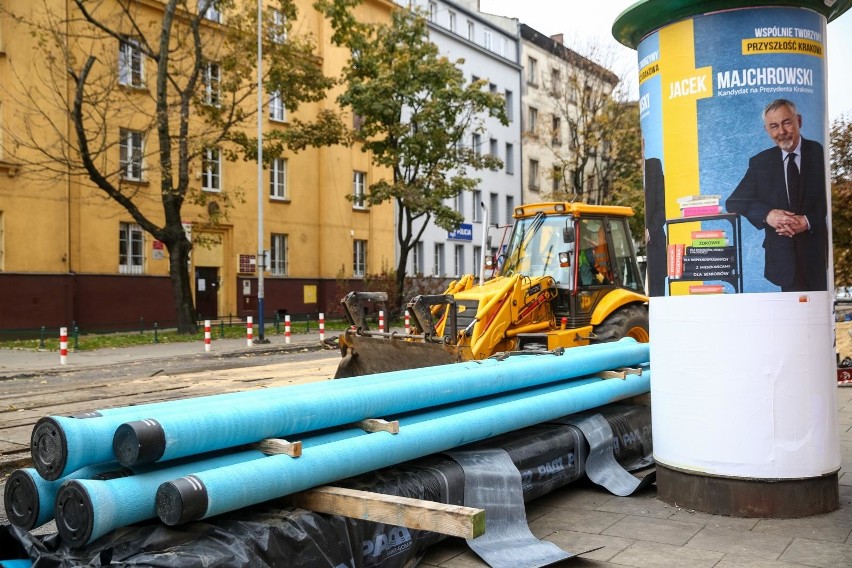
647 16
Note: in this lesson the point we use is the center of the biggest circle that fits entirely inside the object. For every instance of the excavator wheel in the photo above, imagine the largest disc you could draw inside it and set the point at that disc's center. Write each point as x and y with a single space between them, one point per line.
629 321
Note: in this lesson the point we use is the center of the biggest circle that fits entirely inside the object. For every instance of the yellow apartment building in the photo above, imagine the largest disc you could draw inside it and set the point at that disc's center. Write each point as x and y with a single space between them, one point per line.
69 254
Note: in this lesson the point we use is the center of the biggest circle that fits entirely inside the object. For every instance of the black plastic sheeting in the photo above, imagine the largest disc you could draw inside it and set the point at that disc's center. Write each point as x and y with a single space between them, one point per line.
274 534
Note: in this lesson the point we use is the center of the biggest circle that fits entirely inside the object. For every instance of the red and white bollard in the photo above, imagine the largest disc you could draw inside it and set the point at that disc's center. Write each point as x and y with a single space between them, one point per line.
322 326
407 323
63 345
381 321
249 331
206 336
287 330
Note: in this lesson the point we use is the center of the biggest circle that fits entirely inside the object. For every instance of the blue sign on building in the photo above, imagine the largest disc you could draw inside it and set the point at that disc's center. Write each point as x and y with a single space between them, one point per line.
463 233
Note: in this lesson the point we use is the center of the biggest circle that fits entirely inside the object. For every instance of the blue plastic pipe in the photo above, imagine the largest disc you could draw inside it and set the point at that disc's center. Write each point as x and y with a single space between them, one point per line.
200 429
213 492
16 563
87 508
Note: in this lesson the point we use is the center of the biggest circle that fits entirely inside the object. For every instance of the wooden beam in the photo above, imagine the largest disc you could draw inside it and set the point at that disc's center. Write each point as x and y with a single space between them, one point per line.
278 446
378 425
453 520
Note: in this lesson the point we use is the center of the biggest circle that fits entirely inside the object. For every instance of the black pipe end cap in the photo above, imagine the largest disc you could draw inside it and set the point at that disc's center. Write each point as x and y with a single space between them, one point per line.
75 515
49 448
182 500
21 500
139 442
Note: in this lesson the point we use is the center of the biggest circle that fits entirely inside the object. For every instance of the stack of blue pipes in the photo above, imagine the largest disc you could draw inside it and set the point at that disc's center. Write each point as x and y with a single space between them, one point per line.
186 460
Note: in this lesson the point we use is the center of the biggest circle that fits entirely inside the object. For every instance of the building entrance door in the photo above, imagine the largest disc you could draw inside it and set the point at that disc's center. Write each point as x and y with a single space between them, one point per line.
207 293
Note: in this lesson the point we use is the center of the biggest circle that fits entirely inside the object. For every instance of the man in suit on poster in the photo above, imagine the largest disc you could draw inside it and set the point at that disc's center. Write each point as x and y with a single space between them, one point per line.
783 193
655 221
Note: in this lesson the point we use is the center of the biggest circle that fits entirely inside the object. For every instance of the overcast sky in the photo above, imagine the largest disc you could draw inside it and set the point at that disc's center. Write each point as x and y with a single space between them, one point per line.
583 22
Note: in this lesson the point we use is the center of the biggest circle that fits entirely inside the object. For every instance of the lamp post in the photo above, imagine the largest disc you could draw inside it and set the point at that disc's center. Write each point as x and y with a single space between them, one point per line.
261 257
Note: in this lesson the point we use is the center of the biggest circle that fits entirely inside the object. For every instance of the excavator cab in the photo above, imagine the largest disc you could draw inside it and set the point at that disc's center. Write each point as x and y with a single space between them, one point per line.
567 276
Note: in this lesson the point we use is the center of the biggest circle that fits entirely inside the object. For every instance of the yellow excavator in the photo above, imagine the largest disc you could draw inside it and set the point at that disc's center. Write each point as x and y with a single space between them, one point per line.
568 276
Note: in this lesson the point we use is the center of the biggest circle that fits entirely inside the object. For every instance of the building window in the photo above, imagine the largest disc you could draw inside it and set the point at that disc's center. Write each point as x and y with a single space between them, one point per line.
557 178
359 189
130 247
532 71
532 119
210 8
458 260
417 259
438 266
492 147
359 257
510 209
556 131
278 178
433 12
477 207
279 27
452 21
131 65
534 174
131 152
211 169
510 158
211 79
459 203
470 30
510 105
278 254
488 40
277 111
555 81
494 210
476 144
477 260
502 47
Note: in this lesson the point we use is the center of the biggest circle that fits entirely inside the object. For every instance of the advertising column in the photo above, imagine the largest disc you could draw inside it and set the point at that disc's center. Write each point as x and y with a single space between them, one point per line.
734 128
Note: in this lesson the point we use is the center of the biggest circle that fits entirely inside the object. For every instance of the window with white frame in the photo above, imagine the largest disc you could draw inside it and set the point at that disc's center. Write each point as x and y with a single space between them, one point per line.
130 248
433 11
459 203
477 260
452 21
211 169
417 257
501 50
359 189
510 158
359 257
555 81
278 179
476 144
458 260
492 147
210 8
278 255
510 105
131 65
477 207
131 152
494 209
277 111
470 30
438 266
279 27
211 79
532 71
510 209
533 174
488 40
532 119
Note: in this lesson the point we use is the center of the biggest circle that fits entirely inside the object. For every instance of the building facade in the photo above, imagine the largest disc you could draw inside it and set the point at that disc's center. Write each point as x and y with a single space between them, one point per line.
489 46
69 254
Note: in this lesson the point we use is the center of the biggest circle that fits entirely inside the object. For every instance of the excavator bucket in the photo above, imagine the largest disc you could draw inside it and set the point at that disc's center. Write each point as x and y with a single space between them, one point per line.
365 355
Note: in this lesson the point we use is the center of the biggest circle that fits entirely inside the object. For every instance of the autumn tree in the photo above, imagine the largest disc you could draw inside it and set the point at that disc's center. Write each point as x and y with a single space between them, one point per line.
414 111
137 97
841 196
589 103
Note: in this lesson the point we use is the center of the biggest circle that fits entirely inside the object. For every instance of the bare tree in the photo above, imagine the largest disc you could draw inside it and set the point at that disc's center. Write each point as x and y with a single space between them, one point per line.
137 97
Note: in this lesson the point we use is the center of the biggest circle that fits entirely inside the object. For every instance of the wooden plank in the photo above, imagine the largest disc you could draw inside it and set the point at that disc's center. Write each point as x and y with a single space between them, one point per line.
378 425
278 446
453 520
